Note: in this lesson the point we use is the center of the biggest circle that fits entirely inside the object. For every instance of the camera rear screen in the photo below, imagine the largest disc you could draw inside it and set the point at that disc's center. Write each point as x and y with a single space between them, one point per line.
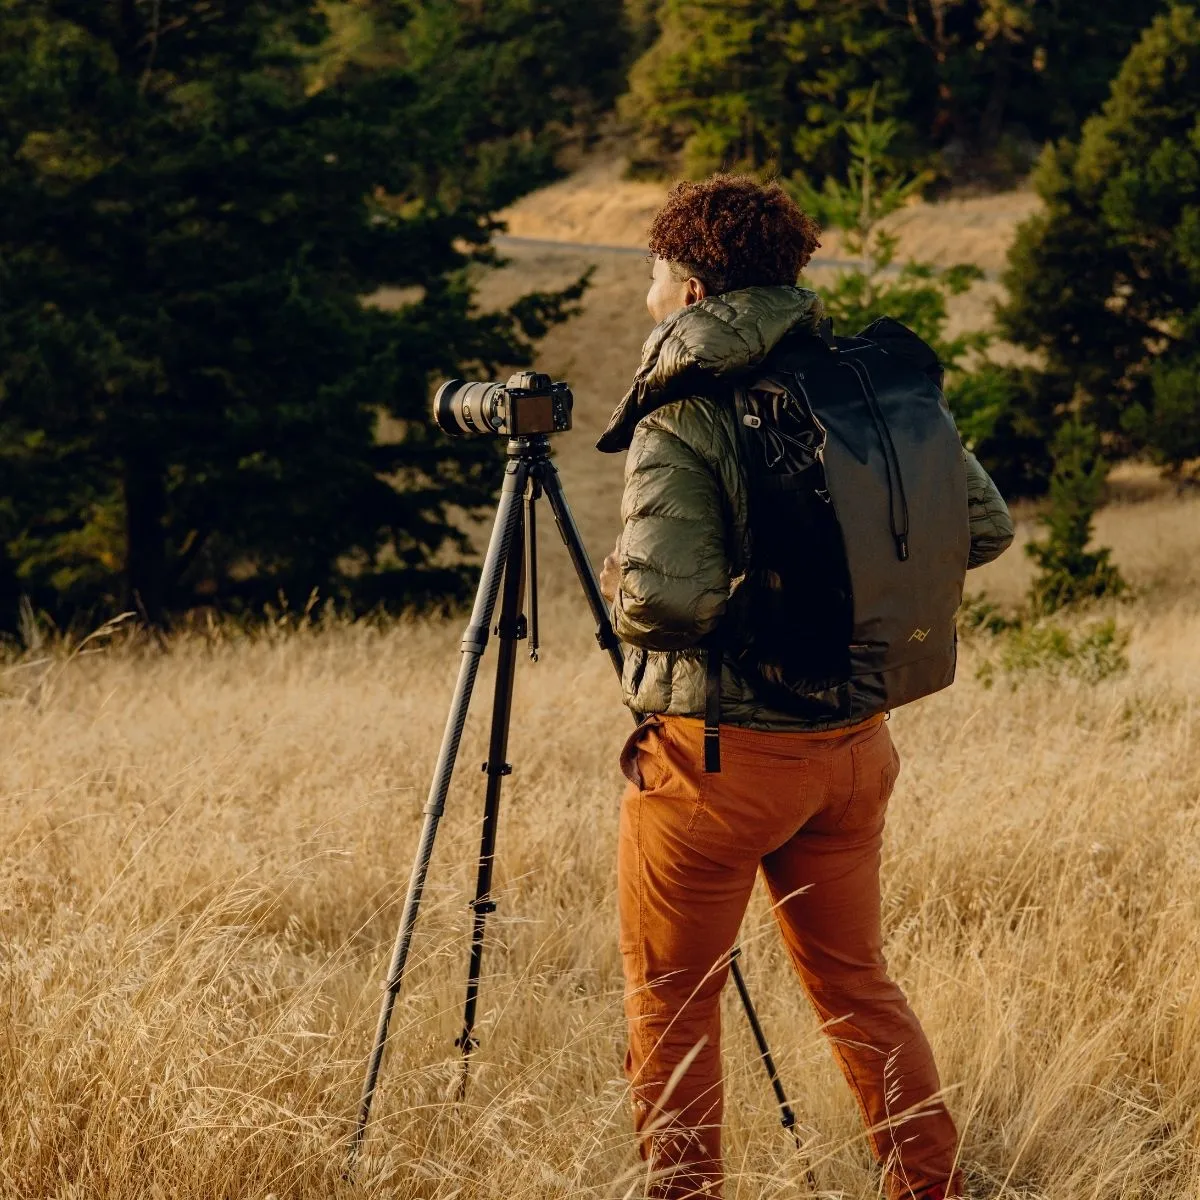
531 414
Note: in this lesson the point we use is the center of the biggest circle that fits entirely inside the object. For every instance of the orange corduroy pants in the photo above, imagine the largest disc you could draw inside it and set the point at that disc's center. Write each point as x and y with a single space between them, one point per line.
808 809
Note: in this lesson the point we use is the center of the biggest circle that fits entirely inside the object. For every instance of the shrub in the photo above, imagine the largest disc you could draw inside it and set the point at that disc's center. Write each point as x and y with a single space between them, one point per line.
1091 655
872 190
1069 573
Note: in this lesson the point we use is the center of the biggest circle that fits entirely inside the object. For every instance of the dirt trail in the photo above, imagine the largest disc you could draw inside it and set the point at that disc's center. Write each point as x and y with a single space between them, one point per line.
507 242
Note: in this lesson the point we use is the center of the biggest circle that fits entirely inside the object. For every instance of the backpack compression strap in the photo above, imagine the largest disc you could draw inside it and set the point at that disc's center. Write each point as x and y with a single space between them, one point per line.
712 708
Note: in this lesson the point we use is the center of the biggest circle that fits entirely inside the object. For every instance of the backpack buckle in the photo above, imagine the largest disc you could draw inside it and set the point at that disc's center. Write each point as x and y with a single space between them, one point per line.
752 421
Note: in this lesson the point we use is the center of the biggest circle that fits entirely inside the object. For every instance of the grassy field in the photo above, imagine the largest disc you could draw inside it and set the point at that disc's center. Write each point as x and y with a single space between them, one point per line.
204 850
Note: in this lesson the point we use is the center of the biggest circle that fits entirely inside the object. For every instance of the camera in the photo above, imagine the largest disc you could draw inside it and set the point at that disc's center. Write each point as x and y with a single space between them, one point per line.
529 403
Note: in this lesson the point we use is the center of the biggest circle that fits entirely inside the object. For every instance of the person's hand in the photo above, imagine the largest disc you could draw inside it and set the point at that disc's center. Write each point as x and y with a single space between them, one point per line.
610 576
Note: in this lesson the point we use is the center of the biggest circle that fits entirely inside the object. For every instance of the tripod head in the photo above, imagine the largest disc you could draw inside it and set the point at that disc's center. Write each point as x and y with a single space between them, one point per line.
533 447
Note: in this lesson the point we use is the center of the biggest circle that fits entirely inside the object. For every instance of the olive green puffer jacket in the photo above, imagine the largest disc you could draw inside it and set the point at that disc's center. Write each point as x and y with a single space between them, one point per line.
685 542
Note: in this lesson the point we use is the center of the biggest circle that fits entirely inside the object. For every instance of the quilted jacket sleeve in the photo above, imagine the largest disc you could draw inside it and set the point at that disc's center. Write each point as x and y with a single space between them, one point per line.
674 568
991 524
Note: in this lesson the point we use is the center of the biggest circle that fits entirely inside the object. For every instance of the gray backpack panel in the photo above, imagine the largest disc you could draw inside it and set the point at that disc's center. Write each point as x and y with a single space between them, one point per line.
877 524
899 489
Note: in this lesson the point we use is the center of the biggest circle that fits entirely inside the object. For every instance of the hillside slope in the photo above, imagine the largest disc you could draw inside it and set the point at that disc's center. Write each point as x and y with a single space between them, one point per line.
596 205
596 219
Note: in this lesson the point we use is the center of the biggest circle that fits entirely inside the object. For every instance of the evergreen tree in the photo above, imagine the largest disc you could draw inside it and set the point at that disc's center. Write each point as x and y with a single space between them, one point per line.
642 18
1168 425
773 83
1105 283
1060 73
981 71
1068 572
197 197
760 84
915 294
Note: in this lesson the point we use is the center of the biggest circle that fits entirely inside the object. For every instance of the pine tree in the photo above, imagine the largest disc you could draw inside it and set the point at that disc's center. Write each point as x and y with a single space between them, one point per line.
1068 572
642 18
1105 283
988 78
772 84
872 190
759 84
198 198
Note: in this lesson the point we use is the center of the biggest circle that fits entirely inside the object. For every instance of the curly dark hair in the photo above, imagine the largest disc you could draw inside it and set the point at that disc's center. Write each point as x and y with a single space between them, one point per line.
730 231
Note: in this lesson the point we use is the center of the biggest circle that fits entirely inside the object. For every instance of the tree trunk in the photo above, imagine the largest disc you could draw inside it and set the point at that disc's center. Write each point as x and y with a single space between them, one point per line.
10 595
131 35
991 123
145 538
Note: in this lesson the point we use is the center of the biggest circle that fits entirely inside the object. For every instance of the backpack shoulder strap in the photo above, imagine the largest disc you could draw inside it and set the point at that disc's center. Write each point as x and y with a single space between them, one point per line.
715 648
749 422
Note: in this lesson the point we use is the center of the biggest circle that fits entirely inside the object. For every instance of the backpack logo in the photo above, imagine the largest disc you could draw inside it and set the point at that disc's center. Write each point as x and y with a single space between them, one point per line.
919 635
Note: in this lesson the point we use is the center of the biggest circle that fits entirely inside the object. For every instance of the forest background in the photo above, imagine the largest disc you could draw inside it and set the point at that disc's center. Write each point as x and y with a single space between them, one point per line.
203 403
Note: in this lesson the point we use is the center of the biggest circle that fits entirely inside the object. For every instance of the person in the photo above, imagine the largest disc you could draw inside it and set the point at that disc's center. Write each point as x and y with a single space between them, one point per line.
800 797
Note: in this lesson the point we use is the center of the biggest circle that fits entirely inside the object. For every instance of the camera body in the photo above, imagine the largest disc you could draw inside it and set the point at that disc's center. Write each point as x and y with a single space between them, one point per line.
529 403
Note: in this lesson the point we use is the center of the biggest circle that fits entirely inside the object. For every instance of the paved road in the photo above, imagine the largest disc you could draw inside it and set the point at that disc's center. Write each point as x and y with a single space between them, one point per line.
504 241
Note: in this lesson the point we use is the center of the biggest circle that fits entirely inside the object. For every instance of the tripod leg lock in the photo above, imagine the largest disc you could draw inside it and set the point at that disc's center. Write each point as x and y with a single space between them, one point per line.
482 906
606 638
502 770
475 639
517 631
467 1043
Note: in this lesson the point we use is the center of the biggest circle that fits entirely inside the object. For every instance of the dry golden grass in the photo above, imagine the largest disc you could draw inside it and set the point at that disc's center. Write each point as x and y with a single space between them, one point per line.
205 850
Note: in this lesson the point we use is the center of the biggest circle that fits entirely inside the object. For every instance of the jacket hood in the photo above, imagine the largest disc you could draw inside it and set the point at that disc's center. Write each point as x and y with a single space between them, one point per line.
720 337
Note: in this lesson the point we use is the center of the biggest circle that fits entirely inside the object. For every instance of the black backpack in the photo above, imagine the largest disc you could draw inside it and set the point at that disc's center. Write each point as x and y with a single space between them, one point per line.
859 533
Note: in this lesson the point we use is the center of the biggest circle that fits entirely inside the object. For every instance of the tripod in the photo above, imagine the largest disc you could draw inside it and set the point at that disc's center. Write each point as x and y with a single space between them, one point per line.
511 559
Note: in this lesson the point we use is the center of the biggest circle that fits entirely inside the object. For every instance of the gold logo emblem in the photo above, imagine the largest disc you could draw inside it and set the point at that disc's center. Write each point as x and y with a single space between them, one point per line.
919 635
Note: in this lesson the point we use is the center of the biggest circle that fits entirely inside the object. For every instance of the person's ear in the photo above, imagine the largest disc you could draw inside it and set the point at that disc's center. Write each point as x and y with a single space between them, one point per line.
694 291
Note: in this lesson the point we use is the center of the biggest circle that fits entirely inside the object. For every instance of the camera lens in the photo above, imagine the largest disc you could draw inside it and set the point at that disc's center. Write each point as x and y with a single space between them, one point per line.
462 409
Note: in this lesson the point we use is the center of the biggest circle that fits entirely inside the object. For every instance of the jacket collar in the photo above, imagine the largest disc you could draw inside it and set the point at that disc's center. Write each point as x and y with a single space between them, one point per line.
719 337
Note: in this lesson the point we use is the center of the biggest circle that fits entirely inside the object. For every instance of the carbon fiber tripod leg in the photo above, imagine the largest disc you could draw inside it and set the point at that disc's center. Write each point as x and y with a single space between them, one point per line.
508 516
510 629
787 1114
